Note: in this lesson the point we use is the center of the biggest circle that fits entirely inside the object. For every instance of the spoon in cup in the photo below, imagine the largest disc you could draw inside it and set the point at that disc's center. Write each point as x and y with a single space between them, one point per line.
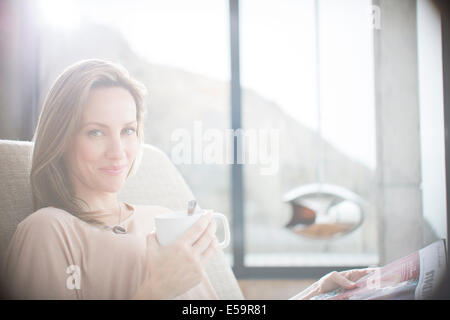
191 206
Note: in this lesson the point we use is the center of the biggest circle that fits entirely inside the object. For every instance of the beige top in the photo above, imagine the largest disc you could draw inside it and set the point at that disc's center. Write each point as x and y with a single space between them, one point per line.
55 255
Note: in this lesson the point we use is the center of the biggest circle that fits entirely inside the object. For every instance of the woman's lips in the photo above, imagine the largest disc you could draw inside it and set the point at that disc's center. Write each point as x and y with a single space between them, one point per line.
113 171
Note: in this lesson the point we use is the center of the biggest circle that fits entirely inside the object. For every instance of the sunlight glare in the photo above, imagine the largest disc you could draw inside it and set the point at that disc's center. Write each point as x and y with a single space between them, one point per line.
64 14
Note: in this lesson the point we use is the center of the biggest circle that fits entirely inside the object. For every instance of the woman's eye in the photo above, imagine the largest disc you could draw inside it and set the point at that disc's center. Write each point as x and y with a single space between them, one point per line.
95 133
130 131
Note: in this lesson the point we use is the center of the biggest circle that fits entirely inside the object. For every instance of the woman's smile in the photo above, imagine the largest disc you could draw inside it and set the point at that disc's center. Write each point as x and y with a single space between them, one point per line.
114 170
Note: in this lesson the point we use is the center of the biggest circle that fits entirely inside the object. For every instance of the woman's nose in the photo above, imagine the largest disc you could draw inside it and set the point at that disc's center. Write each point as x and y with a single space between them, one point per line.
116 148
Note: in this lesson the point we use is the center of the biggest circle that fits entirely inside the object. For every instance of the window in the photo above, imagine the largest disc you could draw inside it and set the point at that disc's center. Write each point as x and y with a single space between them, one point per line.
292 89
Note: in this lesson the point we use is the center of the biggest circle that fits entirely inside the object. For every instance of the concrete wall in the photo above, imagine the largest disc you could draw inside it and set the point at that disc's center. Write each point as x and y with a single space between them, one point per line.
431 120
398 135
10 112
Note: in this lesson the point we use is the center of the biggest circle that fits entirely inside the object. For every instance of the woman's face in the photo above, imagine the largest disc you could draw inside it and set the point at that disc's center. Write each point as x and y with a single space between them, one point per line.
105 146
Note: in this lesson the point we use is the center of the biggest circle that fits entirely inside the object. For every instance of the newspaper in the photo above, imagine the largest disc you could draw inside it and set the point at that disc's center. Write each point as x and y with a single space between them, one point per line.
413 277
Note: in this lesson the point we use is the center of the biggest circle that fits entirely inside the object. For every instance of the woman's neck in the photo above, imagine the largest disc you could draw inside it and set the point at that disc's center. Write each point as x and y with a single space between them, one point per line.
107 204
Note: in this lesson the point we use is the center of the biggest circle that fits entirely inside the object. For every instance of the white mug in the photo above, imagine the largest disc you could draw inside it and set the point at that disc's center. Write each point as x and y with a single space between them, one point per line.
171 226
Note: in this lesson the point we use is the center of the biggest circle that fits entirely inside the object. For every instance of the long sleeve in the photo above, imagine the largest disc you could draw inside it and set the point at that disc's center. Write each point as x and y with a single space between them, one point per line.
55 255
39 263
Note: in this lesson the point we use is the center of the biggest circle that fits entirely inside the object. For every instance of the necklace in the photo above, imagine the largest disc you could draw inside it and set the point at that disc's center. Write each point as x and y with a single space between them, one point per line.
118 228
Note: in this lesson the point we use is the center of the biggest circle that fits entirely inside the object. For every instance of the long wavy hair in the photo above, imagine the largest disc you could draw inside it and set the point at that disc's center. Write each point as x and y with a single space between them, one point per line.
58 122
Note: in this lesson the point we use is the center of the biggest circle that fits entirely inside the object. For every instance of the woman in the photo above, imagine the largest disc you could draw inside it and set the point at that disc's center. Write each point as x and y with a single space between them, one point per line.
82 242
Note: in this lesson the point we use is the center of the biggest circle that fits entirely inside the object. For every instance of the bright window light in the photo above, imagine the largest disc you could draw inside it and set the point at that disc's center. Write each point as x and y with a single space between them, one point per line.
64 14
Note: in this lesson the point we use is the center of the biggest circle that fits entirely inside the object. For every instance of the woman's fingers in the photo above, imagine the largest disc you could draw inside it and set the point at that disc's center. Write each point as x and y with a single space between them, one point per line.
207 237
196 230
344 282
357 274
204 257
333 280
339 280
152 241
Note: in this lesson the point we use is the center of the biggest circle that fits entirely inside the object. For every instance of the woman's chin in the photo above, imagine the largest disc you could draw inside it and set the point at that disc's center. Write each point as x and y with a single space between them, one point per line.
113 186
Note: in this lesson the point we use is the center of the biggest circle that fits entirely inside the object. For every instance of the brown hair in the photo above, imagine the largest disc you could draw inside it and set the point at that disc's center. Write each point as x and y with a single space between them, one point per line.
58 121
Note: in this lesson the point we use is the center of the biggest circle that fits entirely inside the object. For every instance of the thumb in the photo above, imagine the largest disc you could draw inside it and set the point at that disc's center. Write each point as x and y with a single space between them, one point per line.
152 241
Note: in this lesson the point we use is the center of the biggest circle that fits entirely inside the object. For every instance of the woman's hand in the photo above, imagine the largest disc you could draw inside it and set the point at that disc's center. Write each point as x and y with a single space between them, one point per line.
176 268
334 280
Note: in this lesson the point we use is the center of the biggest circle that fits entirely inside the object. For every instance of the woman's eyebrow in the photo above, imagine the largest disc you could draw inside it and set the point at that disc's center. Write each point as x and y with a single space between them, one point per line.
104 125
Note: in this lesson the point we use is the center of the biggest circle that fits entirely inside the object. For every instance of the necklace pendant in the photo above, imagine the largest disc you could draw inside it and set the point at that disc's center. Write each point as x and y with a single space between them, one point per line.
119 230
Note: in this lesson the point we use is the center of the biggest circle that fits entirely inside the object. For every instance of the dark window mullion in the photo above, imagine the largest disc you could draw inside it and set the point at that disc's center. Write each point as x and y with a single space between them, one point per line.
237 198
445 29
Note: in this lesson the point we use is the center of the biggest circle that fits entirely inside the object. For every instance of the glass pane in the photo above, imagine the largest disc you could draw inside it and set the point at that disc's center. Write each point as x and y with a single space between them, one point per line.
178 49
318 113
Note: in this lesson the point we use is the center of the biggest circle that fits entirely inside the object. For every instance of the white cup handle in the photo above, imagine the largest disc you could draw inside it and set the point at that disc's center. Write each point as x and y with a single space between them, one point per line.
226 228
